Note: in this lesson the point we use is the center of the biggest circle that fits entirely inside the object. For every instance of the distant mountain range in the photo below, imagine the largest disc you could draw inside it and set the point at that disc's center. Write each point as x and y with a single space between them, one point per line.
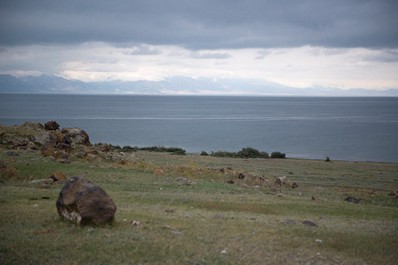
51 84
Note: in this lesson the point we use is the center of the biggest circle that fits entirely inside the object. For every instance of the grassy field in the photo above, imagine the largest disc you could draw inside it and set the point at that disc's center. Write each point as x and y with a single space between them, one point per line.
195 210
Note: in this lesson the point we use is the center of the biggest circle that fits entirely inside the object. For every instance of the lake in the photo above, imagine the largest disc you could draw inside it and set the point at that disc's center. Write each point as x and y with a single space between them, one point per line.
356 129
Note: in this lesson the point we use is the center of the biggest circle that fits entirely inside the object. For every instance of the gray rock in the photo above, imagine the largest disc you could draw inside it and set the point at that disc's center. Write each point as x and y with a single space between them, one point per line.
43 138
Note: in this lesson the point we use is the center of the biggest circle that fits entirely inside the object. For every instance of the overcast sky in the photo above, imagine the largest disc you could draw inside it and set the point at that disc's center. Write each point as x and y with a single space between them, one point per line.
334 43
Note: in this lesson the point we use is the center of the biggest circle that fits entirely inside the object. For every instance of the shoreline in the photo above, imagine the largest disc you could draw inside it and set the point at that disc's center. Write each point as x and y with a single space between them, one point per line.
32 133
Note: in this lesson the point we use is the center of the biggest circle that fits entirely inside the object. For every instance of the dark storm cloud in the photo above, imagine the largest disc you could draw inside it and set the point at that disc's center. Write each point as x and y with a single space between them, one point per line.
202 24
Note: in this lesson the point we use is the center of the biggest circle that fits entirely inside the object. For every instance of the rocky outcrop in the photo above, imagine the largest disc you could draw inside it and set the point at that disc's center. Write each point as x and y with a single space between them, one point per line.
61 144
83 202
35 134
48 138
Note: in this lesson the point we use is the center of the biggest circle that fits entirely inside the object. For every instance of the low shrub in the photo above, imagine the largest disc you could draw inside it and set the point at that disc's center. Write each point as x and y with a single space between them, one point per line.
250 152
224 154
128 148
278 155
173 150
247 152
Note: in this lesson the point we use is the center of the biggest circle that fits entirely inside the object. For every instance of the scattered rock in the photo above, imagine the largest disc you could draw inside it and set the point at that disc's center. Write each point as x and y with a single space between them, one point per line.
309 223
83 202
230 182
184 181
280 180
241 176
135 223
318 241
295 185
313 198
58 176
51 125
45 182
352 199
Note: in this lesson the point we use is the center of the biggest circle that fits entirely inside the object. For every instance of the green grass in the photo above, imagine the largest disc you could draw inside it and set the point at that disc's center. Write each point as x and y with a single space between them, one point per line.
207 220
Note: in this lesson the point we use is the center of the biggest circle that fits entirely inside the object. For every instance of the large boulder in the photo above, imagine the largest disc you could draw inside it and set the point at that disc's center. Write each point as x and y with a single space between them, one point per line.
51 125
83 202
75 136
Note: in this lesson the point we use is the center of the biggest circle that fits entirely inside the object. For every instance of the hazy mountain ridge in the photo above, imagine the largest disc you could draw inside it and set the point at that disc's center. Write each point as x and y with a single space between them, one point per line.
179 85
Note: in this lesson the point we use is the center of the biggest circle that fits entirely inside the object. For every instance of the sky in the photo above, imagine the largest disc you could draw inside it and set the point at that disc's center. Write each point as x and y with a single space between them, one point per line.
301 43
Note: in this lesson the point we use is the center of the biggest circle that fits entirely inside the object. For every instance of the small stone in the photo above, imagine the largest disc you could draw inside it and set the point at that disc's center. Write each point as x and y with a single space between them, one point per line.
184 181
318 240
224 251
58 176
352 199
309 223
135 223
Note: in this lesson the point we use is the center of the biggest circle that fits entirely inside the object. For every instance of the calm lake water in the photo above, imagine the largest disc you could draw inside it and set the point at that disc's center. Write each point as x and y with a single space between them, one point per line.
357 129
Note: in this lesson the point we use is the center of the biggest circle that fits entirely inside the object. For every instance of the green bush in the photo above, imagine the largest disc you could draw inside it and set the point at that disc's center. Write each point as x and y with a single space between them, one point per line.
250 152
128 148
174 150
223 154
247 152
278 155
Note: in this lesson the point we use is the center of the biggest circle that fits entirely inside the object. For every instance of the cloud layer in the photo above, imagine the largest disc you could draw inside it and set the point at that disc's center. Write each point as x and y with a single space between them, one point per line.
203 24
300 43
